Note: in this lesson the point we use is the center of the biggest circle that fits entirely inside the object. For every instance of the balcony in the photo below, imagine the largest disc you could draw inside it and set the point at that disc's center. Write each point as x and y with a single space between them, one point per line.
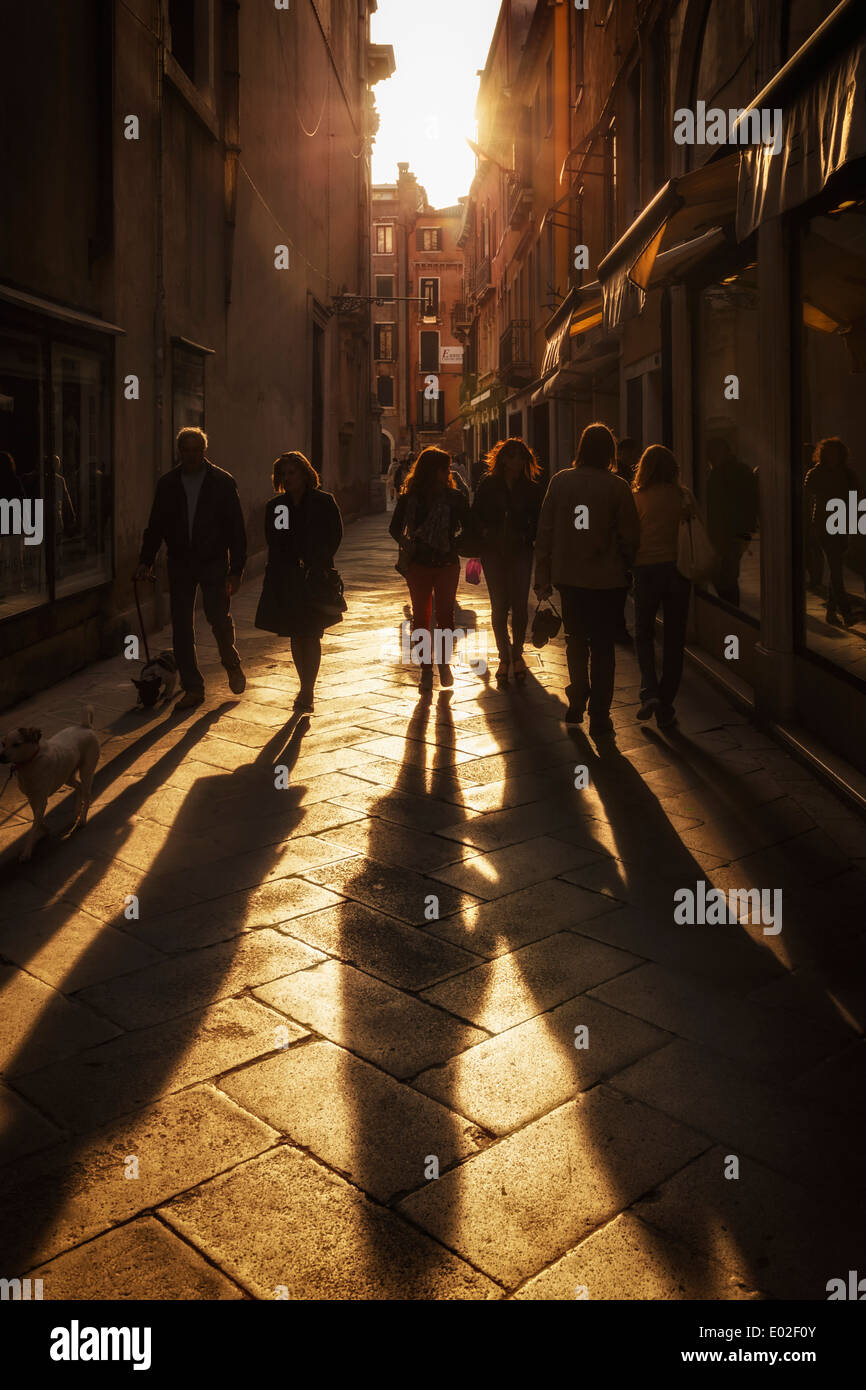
461 317
519 201
515 355
483 283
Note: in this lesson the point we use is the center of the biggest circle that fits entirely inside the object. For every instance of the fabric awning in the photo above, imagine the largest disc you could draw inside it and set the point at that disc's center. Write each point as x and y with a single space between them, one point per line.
22 300
683 212
823 129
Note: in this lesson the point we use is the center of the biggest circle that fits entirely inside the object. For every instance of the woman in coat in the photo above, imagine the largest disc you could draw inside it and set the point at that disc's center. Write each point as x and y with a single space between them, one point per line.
661 505
429 516
505 517
303 530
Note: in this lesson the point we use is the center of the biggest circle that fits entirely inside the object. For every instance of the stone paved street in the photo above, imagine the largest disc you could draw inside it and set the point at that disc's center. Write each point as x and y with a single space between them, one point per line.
246 1090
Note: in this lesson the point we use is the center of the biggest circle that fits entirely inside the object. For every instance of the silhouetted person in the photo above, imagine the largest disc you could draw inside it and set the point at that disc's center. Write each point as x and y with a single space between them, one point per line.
627 454
732 515
505 518
197 512
661 505
831 477
429 516
587 537
307 544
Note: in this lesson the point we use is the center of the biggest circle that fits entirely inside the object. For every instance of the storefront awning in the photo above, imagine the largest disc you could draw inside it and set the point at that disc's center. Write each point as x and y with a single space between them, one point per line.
682 214
58 311
823 129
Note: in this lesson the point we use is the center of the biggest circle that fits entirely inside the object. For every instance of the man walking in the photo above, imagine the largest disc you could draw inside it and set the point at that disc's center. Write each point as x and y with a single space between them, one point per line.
197 512
588 534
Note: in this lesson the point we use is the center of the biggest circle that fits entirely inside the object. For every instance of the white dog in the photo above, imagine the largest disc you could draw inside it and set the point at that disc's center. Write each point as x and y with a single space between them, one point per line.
43 768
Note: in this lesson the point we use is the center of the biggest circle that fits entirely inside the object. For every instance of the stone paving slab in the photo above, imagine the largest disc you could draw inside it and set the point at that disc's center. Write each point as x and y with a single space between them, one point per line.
379 945
199 978
514 1078
400 893
38 1026
220 919
70 950
629 1260
507 923
520 1204
505 871
22 1129
76 1190
309 1232
358 1120
529 981
134 1068
141 1260
395 1030
770 1231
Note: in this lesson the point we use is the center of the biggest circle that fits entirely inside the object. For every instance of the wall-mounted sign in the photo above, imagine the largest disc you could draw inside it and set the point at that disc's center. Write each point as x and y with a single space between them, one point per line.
451 357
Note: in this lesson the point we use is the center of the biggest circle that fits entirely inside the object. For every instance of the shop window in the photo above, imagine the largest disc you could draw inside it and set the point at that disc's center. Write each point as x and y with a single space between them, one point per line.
23 564
383 233
831 516
726 477
80 483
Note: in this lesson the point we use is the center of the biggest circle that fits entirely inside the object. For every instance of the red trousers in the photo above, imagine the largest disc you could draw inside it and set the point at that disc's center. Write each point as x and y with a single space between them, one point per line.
427 581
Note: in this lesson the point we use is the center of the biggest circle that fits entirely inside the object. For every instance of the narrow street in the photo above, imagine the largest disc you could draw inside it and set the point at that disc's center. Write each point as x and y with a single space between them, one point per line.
421 1024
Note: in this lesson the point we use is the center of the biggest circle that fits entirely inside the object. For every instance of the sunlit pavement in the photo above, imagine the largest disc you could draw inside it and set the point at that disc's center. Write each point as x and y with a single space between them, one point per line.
421 1024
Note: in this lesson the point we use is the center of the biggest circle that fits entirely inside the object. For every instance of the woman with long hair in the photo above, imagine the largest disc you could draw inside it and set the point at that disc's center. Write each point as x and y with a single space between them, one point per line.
662 503
587 535
505 518
428 518
303 530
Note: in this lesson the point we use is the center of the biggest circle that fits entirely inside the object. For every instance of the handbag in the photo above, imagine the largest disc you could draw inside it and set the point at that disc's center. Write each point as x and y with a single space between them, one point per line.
546 623
696 558
404 557
323 590
473 571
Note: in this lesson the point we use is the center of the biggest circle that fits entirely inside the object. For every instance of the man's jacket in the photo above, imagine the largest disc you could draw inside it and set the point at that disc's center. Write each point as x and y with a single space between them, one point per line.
595 554
219 538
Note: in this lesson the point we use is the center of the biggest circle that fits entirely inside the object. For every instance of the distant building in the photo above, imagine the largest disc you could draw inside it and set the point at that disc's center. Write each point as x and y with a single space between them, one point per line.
418 317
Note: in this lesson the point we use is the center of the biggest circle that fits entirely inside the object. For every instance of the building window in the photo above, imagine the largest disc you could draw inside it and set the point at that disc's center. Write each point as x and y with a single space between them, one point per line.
430 298
831 515
577 50
383 334
610 171
431 413
384 286
429 352
385 391
725 462
429 239
190 38
54 451
384 238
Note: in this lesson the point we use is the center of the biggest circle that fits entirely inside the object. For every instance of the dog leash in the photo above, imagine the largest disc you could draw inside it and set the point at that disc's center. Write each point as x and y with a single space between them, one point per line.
141 621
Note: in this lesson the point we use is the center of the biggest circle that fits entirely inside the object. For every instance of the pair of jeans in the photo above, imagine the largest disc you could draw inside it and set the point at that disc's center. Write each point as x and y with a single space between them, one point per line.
590 618
508 577
660 586
215 601
425 582
834 548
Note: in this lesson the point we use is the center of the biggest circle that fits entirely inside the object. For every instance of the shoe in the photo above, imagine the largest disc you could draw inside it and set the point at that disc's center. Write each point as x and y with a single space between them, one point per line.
573 717
665 716
426 681
303 703
446 677
649 707
237 679
521 670
502 673
600 728
190 699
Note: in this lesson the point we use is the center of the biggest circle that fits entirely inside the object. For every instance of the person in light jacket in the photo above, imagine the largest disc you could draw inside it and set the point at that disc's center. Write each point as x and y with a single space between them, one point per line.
587 537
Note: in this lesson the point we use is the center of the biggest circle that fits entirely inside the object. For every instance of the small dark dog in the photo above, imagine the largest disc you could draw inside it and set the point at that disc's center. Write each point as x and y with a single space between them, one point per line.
158 678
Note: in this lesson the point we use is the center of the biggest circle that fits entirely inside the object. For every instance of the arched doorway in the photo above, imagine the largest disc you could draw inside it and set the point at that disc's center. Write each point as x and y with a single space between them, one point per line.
387 443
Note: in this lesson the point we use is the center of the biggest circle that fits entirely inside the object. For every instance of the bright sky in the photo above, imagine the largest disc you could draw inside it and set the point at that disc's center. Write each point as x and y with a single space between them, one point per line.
427 107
